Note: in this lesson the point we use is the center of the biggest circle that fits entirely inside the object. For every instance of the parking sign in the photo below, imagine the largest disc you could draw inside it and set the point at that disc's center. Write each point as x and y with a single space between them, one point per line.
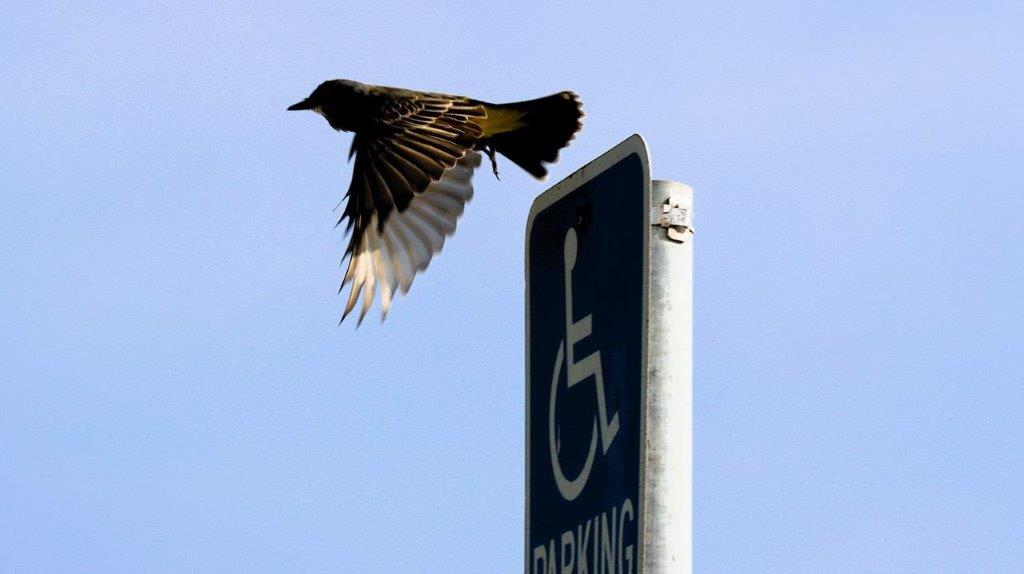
586 325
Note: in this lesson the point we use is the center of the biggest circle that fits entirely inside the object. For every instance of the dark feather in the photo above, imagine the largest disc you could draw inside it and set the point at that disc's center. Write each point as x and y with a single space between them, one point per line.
411 143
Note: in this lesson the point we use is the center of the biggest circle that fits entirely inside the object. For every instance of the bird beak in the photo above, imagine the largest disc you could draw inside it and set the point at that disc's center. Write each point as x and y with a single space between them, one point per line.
303 105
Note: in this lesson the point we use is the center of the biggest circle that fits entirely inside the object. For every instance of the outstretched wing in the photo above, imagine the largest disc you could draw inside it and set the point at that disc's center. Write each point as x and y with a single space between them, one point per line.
388 256
417 143
412 139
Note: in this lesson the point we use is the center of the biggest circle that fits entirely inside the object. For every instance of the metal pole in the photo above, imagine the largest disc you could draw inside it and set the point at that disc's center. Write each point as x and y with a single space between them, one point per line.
668 480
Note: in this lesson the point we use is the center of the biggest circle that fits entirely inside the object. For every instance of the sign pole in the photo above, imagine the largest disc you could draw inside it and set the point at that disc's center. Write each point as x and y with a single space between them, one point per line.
668 475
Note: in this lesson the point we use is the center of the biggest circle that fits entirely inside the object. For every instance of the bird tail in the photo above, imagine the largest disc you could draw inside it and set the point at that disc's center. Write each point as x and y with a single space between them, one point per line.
541 128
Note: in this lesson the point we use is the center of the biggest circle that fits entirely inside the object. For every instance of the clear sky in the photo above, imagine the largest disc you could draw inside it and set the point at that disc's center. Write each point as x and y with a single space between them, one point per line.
176 395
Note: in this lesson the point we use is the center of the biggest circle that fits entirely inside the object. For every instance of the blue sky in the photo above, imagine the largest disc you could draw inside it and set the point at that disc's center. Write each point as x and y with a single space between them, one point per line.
175 393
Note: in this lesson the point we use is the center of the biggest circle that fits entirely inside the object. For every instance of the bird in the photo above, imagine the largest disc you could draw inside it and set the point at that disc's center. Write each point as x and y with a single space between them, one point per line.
415 155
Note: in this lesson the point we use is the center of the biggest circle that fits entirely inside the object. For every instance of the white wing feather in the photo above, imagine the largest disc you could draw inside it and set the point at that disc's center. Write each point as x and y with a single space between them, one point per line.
390 258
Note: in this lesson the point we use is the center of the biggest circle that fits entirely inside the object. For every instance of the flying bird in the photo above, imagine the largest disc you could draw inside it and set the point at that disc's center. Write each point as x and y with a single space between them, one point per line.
415 153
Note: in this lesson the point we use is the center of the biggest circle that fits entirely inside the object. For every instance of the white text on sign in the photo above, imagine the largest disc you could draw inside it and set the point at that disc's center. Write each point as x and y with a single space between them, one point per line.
595 546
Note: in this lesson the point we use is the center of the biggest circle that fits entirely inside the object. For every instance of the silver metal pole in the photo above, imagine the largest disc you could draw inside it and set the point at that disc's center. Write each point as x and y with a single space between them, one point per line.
668 480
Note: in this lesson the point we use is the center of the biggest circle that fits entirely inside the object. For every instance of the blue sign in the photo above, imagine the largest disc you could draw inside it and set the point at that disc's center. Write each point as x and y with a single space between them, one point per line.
586 266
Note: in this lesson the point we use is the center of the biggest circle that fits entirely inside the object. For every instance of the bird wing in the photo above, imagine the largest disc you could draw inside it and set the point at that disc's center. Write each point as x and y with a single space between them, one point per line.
418 144
390 255
413 138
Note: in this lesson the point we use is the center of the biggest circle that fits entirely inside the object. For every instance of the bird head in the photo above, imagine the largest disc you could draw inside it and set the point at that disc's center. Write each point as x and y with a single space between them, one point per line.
326 93
313 101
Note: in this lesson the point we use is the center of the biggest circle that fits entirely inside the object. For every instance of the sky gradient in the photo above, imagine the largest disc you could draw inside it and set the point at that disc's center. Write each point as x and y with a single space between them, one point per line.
176 394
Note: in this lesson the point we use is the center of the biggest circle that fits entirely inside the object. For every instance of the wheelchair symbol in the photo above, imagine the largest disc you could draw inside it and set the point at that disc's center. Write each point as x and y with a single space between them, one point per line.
577 372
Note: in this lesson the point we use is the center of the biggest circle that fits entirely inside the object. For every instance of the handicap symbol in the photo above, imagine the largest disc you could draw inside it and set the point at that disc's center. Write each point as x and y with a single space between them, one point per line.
577 372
